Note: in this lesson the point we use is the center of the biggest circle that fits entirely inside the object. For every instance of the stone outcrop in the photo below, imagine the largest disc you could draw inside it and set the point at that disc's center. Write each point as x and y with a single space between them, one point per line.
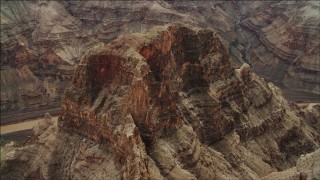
311 113
167 105
308 167
49 38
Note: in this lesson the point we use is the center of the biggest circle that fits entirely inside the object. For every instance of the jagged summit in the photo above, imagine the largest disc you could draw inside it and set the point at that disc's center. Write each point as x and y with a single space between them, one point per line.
42 41
168 105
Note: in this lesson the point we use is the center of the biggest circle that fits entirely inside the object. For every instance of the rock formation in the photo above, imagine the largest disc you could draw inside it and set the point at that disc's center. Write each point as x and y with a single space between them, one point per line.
288 46
37 53
311 113
169 105
42 41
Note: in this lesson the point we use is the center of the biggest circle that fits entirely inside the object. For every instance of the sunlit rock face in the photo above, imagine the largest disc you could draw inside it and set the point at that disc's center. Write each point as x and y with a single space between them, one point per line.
49 38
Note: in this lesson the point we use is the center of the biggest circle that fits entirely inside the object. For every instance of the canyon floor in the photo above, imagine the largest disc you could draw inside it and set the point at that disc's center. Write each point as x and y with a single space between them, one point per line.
27 124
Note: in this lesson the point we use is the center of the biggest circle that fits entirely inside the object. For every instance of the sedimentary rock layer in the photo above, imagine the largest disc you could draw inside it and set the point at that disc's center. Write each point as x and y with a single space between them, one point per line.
290 32
49 38
166 105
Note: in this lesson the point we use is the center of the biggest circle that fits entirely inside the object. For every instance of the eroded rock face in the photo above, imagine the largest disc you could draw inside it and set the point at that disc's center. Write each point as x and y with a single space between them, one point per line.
279 39
38 56
311 112
289 46
168 104
49 38
308 167
175 87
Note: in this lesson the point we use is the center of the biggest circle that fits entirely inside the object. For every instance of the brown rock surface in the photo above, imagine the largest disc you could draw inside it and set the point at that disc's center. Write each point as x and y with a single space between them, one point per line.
37 55
308 167
311 113
167 105
288 46
50 37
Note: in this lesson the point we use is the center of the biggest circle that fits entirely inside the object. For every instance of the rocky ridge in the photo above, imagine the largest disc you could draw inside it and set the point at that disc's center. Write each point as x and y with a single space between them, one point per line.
42 41
166 105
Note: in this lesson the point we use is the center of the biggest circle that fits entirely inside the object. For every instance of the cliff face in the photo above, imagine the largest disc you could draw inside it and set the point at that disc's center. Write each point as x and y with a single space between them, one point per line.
37 53
278 39
166 105
288 40
48 38
41 45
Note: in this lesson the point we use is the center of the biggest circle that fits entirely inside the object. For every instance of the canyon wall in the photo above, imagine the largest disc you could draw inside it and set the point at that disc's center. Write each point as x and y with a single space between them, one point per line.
167 105
287 46
43 42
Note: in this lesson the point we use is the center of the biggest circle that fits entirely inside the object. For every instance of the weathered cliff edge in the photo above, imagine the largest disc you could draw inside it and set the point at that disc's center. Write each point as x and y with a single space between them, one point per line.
168 105
42 42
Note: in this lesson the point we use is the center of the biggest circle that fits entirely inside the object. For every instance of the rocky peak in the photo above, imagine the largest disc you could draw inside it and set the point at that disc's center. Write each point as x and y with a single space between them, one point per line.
147 76
175 87
50 37
169 105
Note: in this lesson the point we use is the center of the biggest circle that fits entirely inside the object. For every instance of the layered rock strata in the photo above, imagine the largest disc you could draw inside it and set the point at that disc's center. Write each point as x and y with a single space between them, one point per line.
289 33
167 105
49 38
41 44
